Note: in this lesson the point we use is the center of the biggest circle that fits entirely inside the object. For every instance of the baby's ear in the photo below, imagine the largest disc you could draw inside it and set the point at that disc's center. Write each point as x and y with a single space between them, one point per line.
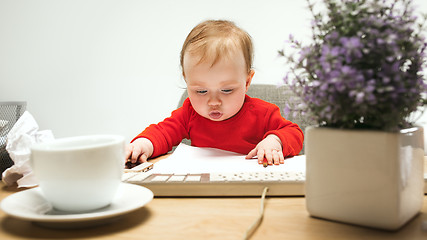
249 78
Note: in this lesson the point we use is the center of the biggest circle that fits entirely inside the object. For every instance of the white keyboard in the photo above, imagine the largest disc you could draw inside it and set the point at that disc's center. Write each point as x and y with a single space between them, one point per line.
218 184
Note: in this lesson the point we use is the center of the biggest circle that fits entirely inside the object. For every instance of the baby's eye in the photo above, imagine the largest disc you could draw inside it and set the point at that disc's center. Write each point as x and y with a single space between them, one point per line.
227 90
201 92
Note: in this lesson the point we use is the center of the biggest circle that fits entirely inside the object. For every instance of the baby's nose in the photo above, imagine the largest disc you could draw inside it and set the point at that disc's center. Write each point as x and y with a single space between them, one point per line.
214 101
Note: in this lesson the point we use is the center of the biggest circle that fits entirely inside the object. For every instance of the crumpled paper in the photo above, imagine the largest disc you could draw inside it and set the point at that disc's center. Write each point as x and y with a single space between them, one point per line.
23 134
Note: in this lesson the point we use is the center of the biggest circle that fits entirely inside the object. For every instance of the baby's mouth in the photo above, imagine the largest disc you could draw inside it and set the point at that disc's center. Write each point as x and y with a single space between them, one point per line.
215 114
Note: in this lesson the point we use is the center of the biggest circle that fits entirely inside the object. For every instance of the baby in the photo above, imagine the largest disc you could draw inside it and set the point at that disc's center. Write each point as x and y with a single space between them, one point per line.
216 62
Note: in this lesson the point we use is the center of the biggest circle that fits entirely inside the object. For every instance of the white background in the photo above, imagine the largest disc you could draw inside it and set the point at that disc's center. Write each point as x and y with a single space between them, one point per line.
110 66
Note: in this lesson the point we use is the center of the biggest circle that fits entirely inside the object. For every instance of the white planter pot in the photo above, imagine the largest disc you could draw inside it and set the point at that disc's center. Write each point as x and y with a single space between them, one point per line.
368 178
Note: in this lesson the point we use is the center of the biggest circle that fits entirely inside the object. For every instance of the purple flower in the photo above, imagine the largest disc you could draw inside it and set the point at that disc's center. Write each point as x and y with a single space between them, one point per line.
364 67
351 43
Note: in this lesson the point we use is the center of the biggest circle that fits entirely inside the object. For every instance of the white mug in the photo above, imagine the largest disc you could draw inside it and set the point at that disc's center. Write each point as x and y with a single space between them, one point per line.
79 174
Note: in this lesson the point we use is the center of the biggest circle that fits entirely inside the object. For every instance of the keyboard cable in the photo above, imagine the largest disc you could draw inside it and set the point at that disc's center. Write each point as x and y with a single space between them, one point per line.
258 220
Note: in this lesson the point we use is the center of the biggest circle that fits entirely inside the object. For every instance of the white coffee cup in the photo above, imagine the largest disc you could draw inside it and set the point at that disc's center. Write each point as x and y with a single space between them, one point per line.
79 174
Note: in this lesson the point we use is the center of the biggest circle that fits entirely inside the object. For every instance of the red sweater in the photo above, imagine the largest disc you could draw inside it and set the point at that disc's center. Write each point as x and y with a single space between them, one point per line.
240 134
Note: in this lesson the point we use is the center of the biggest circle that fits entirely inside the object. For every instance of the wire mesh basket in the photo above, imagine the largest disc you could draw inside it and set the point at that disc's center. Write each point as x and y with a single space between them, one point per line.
10 112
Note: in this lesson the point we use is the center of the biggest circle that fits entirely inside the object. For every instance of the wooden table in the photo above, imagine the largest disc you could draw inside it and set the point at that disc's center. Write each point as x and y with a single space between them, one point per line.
213 218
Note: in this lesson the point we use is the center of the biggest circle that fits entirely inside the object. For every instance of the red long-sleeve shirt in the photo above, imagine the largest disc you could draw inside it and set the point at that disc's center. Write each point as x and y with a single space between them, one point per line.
240 134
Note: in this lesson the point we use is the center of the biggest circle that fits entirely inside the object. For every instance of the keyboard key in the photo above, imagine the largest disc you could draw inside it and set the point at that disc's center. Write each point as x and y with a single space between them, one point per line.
192 178
160 178
127 175
138 177
176 178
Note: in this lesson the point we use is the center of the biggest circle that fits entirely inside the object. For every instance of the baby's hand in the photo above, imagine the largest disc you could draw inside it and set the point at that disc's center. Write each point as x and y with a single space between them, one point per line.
270 148
139 150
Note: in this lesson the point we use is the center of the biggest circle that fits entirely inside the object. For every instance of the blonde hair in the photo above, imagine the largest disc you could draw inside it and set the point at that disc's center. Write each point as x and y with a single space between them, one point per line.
214 39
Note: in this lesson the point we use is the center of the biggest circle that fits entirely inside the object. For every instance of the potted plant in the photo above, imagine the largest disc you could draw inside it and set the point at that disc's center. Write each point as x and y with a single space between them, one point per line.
361 79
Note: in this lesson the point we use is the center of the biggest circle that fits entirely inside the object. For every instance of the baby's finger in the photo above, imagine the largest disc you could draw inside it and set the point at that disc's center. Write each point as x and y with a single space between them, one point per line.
275 157
128 152
136 153
269 157
278 157
260 155
143 158
251 154
281 158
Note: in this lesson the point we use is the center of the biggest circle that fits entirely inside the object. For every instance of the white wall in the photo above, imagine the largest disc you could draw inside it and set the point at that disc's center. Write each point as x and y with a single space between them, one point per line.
110 66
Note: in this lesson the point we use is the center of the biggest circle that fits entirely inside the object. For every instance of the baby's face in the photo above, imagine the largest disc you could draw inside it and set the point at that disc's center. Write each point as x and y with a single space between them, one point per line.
216 92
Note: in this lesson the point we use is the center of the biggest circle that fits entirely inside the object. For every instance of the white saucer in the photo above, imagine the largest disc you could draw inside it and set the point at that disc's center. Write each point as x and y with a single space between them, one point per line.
30 205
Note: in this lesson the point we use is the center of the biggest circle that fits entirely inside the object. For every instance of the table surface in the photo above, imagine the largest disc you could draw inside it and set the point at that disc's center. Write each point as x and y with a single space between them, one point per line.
213 218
